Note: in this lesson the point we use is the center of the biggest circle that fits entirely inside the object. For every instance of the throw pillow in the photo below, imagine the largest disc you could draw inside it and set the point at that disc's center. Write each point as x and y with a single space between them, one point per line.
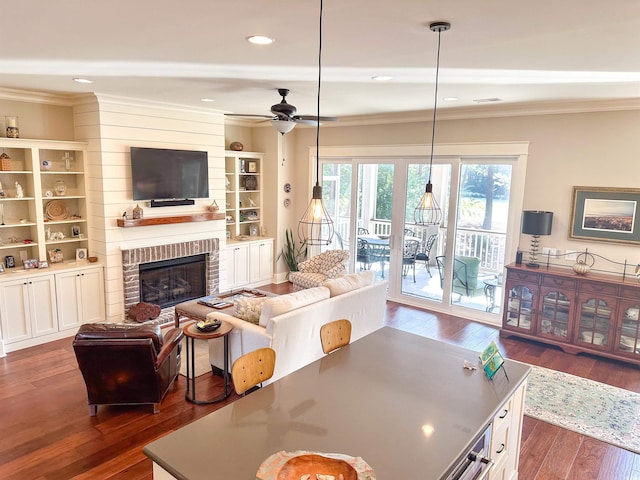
249 309
347 283
275 306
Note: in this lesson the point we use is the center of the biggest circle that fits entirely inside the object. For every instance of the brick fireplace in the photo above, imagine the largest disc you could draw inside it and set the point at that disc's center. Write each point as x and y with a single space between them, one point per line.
133 258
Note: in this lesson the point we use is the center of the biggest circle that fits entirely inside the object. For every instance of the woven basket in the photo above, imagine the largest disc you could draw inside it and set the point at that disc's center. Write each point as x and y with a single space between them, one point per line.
5 162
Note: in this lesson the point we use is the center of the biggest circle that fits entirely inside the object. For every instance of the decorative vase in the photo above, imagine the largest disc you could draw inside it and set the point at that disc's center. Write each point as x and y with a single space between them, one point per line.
581 268
137 212
60 188
12 127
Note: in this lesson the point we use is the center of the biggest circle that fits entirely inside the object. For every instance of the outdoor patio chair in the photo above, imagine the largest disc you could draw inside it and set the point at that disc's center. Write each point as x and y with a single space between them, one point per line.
466 281
424 253
409 252
364 254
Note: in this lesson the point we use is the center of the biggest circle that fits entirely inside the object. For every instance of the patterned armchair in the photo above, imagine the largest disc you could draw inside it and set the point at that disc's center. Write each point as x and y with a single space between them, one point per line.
315 271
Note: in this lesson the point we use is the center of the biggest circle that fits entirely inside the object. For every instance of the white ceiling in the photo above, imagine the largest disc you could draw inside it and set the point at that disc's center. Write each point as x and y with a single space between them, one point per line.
180 52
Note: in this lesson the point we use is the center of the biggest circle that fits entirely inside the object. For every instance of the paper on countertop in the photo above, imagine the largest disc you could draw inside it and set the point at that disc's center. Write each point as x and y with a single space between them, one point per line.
271 466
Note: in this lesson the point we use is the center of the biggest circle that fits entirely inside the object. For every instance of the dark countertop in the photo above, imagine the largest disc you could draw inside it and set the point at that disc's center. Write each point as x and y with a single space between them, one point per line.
400 401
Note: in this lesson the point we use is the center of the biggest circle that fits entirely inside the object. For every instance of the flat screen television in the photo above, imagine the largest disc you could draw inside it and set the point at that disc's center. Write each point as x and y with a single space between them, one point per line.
162 174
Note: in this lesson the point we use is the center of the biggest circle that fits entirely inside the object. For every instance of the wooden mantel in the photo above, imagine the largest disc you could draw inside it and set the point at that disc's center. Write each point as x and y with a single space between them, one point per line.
145 222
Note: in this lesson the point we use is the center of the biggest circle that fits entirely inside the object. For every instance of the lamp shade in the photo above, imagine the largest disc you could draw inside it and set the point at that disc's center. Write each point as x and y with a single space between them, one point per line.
536 222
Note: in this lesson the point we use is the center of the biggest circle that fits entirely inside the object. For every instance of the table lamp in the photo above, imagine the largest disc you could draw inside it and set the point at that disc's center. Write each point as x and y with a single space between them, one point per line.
536 223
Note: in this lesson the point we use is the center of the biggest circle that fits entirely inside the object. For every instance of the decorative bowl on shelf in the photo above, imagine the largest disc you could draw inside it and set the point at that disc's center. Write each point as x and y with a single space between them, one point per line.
92 259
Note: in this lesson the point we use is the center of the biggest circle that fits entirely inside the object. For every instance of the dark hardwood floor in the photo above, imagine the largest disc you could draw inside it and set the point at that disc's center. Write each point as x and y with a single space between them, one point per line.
46 431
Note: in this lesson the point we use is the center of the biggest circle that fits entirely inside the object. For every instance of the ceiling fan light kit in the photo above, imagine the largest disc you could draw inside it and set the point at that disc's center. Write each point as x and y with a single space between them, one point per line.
284 118
428 212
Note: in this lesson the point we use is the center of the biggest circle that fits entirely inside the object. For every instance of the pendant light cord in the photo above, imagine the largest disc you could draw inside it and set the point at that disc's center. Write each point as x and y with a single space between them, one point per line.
318 100
435 107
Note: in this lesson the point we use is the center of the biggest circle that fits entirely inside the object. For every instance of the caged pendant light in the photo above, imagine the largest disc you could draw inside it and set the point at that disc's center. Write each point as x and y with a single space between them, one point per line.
316 226
428 212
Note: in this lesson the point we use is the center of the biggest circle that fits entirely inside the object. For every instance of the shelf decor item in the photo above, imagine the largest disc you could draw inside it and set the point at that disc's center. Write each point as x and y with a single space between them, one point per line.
5 162
56 256
11 123
606 214
60 188
67 159
137 212
56 210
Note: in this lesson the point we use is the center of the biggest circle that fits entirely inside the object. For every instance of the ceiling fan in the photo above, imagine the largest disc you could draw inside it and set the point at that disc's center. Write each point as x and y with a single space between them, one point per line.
284 117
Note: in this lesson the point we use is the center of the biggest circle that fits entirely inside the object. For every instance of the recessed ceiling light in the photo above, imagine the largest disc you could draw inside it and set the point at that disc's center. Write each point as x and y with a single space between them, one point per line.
260 40
381 78
207 100
487 100
450 99
82 80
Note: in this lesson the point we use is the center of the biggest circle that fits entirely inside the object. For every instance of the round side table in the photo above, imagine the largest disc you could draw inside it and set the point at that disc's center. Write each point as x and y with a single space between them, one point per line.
193 334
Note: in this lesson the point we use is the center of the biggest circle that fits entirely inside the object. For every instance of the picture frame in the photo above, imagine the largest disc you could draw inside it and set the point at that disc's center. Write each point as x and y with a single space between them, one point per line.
605 214
252 166
81 254
30 263
253 230
56 256
75 231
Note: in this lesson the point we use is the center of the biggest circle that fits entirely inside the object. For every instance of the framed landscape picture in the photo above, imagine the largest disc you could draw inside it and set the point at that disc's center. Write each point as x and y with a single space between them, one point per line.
605 214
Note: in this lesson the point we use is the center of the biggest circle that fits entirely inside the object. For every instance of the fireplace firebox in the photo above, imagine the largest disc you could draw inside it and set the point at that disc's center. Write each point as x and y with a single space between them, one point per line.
169 282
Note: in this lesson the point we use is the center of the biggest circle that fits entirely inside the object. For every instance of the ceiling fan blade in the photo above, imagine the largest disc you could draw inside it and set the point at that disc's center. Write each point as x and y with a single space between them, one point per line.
269 117
315 118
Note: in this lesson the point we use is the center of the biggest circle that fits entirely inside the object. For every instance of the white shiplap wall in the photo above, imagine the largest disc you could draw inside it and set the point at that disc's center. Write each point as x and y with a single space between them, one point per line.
110 126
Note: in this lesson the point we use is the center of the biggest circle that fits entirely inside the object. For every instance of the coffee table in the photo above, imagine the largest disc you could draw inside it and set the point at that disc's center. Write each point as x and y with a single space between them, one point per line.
193 334
197 311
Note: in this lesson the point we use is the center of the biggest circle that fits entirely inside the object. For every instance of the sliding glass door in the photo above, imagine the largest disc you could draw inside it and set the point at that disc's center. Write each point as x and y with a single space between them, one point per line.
455 266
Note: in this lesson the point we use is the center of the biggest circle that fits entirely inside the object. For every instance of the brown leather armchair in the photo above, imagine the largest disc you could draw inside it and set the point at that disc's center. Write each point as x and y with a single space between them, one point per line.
125 364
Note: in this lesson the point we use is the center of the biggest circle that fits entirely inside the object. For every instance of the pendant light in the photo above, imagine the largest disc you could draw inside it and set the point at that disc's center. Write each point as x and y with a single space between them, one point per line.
428 212
316 226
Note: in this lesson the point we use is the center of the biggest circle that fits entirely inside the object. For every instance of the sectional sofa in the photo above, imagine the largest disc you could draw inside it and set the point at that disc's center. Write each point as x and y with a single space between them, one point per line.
290 324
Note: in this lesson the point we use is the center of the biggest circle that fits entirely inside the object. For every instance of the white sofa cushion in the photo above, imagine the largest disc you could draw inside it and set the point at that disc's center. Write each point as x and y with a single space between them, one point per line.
274 306
347 283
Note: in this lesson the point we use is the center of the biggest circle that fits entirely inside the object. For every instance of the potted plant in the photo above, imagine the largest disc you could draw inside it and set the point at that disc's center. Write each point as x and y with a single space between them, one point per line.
291 252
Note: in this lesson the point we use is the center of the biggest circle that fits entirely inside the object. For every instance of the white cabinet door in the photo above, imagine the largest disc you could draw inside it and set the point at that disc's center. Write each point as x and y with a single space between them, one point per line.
92 287
69 300
28 308
80 297
42 298
261 261
15 311
241 265
236 258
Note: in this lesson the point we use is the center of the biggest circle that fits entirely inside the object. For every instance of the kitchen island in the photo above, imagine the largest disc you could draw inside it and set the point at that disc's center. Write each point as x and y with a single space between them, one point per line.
402 402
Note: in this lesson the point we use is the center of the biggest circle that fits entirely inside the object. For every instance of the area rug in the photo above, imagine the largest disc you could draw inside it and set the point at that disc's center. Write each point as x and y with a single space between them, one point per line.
606 413
202 358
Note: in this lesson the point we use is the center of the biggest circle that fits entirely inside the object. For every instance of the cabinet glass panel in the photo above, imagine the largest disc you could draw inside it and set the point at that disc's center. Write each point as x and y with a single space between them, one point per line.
519 307
629 332
595 322
554 315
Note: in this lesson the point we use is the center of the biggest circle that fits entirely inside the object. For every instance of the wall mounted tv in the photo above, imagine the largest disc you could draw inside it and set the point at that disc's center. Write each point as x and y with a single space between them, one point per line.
164 174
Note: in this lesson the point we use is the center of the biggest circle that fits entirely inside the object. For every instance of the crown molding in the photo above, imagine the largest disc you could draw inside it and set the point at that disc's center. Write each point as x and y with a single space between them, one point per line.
45 98
494 111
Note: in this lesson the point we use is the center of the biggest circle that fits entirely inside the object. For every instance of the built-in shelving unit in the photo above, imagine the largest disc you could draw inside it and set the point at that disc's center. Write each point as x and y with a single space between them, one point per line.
244 203
38 173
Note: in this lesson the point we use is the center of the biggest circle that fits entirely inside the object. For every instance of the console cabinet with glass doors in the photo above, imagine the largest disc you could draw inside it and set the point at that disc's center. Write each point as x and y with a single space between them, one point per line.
595 313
